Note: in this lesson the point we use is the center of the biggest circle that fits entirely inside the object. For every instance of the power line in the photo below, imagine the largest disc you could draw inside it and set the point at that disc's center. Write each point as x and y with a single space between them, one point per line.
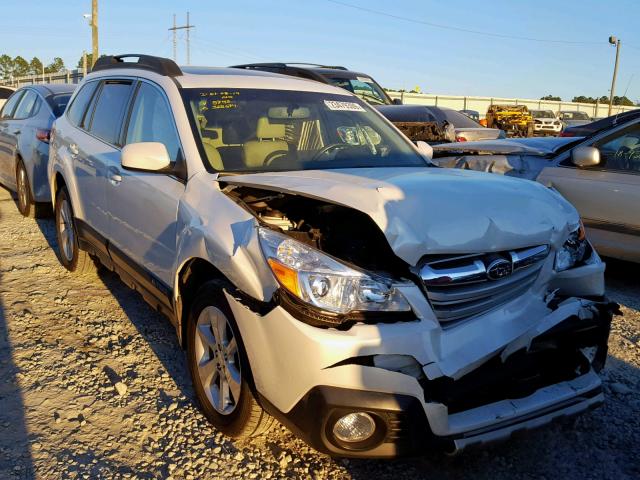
459 29
186 27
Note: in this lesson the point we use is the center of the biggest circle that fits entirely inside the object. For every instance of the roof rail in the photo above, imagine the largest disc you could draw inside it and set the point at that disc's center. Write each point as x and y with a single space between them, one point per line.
162 66
249 66
336 67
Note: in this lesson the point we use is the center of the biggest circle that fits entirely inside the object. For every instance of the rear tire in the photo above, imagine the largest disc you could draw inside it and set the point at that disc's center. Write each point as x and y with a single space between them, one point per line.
219 367
69 253
26 205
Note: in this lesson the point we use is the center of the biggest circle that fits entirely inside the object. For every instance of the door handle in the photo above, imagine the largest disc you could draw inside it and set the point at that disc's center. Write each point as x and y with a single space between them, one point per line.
114 176
16 132
115 179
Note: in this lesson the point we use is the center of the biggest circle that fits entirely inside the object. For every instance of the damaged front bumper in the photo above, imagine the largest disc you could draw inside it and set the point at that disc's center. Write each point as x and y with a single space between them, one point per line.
309 377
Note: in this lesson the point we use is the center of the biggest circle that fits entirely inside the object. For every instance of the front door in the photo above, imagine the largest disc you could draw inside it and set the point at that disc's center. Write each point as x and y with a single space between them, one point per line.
143 206
607 195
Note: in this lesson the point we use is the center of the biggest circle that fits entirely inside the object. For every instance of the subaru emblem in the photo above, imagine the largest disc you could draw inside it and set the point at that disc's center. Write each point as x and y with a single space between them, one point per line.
499 269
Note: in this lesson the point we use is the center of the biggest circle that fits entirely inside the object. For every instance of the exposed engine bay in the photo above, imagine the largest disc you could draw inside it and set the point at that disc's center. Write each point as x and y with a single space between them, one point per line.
340 231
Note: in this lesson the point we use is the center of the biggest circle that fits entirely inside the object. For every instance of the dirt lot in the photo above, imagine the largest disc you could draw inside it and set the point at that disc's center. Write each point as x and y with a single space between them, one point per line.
66 343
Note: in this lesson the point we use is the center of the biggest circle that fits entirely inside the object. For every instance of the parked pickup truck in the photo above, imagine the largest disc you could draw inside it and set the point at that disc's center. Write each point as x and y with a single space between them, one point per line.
319 269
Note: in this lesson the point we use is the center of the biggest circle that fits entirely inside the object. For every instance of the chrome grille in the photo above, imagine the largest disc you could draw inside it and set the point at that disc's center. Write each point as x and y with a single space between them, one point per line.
464 286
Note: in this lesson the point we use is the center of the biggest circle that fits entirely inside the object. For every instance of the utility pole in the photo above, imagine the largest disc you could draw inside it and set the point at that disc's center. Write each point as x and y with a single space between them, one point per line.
84 63
94 31
175 45
614 41
186 27
188 42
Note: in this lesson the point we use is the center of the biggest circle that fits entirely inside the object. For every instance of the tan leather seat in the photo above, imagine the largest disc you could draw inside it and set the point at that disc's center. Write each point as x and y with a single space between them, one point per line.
270 139
215 160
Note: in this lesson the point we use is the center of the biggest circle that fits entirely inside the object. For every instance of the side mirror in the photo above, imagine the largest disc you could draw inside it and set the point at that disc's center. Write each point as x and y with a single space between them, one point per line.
585 156
145 157
425 150
397 101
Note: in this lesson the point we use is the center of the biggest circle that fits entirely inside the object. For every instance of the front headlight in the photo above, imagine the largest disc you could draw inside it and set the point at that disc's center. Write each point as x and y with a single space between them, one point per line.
574 251
319 280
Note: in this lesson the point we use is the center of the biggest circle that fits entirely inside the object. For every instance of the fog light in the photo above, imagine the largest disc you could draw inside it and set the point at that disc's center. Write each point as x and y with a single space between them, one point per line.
354 427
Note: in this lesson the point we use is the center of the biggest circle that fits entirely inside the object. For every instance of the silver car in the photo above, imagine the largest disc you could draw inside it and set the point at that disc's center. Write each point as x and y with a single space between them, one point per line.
574 118
319 270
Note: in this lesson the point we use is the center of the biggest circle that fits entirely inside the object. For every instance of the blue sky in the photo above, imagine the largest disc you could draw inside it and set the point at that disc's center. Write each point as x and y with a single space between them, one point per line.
398 53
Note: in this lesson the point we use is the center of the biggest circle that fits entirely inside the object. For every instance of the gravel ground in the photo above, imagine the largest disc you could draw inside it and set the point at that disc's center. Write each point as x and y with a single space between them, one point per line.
94 385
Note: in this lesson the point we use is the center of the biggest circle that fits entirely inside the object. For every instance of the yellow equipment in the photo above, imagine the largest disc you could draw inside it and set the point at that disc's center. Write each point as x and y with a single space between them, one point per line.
515 120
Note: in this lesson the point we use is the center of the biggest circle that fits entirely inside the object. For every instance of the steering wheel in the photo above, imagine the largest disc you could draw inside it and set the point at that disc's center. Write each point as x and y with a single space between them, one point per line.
326 149
274 156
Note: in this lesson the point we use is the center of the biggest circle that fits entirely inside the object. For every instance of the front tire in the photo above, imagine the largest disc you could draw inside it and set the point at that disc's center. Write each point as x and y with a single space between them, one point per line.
219 367
69 253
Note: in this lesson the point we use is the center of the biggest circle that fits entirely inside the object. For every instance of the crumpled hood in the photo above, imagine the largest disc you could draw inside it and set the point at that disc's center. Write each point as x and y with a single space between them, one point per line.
431 210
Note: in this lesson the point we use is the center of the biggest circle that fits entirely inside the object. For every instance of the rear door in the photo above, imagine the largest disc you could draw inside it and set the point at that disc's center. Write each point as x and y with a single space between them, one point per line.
97 149
607 195
7 153
143 206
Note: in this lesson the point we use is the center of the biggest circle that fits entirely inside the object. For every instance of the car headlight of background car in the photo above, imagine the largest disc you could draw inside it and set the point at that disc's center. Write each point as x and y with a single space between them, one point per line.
319 280
576 250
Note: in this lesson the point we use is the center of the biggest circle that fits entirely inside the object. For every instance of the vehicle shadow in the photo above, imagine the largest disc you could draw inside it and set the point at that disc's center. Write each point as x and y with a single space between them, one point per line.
15 450
623 282
157 331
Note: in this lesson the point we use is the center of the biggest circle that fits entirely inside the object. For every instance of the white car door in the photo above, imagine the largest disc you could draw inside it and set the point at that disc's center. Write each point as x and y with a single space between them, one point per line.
607 195
143 206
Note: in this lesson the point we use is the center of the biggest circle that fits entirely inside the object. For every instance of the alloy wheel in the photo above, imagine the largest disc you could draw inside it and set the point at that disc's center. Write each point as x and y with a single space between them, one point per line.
23 193
65 227
218 360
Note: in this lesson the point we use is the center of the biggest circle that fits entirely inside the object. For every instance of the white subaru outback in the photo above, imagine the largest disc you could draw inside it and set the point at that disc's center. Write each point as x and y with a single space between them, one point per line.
319 270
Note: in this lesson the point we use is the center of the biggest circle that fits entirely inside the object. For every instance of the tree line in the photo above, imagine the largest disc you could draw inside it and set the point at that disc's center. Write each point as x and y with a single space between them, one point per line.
20 67
602 100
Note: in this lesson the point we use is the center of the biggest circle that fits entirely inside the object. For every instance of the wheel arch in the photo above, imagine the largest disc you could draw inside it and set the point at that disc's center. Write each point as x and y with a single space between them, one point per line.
193 273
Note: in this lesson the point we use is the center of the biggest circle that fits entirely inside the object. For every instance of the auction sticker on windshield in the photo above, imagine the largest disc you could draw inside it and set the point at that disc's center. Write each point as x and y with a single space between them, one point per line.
343 106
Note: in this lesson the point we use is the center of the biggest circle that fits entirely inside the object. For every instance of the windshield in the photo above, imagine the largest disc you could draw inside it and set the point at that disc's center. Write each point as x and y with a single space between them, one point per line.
542 114
574 116
459 120
246 130
364 87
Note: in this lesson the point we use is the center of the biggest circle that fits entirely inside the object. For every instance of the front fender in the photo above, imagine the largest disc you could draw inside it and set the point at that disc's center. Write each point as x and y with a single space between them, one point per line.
212 227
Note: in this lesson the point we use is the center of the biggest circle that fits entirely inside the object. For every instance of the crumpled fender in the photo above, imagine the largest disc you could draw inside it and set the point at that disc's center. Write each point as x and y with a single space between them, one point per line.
226 238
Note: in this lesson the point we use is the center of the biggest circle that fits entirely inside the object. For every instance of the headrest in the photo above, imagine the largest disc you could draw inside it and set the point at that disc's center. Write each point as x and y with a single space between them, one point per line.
266 129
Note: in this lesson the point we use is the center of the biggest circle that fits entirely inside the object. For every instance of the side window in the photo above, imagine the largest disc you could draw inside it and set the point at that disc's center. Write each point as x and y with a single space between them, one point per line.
9 107
76 111
108 115
151 121
621 152
25 107
5 93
